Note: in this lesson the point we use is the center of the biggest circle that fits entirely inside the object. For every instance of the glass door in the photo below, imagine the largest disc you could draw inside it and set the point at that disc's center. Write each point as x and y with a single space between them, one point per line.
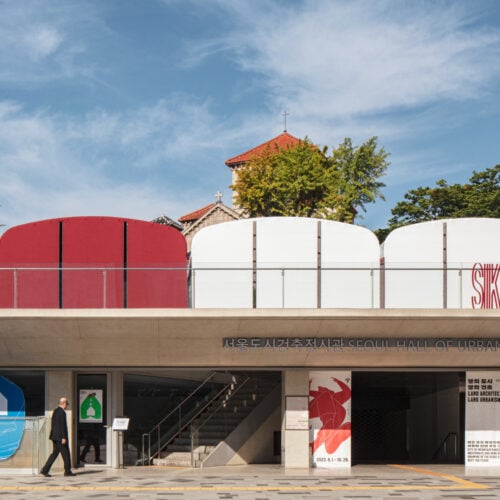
91 418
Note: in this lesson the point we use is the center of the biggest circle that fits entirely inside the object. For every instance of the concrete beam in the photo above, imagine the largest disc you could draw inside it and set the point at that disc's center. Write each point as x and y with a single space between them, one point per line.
194 337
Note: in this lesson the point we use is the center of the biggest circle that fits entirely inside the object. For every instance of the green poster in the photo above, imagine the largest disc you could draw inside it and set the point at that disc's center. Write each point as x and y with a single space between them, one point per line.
90 406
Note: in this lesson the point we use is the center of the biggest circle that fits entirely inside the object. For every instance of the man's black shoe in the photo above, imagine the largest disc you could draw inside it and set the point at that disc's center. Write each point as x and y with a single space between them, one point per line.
69 474
46 474
98 461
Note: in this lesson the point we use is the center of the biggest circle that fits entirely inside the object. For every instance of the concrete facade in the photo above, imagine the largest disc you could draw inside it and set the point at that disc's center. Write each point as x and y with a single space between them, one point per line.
116 341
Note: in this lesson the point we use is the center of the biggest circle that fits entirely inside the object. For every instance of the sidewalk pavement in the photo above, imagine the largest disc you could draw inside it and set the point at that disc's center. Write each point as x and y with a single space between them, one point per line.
260 482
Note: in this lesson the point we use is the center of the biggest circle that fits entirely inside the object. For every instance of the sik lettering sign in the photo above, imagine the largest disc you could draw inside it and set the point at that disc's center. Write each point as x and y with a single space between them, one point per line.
485 284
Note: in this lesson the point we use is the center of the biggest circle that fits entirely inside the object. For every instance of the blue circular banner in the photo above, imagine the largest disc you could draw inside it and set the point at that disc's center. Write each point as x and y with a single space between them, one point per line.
12 418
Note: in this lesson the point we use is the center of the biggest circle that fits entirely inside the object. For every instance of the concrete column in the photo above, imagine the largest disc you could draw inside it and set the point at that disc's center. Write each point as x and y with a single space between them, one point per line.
115 451
60 384
294 443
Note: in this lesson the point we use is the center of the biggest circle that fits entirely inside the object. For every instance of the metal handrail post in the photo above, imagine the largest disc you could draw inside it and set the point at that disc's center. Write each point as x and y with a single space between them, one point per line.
143 447
159 444
372 278
15 289
104 288
193 285
192 445
282 288
460 289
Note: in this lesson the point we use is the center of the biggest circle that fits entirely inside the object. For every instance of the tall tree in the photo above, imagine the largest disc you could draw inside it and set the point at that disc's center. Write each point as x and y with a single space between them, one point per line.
359 170
305 181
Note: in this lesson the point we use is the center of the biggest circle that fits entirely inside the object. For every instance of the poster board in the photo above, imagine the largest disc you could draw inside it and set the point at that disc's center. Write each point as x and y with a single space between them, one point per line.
330 418
90 409
482 419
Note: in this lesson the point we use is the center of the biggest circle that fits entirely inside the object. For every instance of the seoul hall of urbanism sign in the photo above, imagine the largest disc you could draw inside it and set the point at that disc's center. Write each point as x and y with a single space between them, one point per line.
343 344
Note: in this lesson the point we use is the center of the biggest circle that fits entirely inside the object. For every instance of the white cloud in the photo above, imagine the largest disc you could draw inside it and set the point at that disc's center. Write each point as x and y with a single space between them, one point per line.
129 163
178 129
336 59
42 40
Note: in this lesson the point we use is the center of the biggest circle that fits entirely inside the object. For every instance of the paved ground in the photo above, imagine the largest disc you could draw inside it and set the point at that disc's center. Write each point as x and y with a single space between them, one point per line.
259 483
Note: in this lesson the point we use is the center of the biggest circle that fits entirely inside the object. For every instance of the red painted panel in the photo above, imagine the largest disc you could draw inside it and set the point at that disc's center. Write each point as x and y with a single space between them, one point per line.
90 243
33 245
155 246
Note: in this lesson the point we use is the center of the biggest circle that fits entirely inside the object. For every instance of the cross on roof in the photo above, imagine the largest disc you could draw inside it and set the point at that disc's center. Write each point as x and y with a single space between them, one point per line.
218 197
284 115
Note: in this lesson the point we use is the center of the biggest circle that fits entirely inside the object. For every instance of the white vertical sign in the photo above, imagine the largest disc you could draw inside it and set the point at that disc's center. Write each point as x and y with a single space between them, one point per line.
482 419
330 418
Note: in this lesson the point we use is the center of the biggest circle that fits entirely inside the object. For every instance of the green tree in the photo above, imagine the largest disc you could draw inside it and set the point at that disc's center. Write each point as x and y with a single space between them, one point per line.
358 170
480 197
305 181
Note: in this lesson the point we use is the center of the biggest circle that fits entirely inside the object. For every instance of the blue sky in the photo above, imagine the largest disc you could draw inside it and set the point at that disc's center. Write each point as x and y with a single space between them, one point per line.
130 107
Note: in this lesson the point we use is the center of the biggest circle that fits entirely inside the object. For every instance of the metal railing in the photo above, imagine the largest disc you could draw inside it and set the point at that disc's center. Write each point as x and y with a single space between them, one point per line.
196 428
267 286
165 431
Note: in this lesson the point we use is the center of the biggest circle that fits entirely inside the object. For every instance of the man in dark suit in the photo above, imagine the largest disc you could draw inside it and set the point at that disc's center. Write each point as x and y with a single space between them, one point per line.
59 437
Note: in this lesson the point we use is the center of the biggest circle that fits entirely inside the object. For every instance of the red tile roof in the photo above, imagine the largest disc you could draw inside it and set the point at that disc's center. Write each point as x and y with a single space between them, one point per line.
282 141
196 214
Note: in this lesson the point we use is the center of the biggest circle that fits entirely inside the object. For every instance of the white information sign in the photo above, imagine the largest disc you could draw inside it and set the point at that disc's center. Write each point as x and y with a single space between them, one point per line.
482 419
120 423
297 413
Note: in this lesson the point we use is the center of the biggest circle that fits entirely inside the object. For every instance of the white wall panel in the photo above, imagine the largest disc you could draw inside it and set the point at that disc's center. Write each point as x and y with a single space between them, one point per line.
474 263
345 248
285 243
418 249
222 265
286 264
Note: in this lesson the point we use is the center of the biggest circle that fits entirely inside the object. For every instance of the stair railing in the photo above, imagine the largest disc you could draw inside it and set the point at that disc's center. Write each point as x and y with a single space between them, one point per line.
177 420
443 447
195 429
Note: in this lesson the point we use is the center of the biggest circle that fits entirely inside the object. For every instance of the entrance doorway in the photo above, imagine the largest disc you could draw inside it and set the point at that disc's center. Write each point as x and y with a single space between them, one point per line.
414 417
92 418
178 415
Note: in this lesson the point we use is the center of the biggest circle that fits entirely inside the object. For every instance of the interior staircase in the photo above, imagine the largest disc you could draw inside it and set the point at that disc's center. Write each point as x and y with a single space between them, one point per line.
195 443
